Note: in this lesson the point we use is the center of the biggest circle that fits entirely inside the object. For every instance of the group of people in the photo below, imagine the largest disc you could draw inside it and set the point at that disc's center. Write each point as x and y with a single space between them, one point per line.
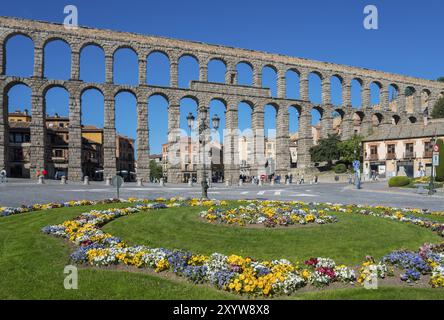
300 179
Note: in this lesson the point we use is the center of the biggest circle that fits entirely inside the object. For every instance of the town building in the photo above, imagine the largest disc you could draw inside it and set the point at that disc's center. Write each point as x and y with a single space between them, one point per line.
57 151
402 150
187 153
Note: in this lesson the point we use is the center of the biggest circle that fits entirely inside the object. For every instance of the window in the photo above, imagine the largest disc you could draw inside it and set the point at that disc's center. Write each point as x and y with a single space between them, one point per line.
58 153
409 149
373 150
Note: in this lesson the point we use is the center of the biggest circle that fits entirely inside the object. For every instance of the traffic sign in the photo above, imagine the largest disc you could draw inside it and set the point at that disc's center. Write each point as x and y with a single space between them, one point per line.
117 182
436 148
436 159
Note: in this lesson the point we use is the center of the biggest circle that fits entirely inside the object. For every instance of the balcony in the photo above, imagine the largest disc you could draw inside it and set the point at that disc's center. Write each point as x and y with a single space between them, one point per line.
391 156
428 154
373 157
409 155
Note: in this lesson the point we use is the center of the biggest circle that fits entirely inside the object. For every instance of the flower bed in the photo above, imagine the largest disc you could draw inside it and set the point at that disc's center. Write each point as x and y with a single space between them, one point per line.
8 211
242 275
270 214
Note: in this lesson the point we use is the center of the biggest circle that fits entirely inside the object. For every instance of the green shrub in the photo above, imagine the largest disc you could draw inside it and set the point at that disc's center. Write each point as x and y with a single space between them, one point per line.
340 168
398 181
440 167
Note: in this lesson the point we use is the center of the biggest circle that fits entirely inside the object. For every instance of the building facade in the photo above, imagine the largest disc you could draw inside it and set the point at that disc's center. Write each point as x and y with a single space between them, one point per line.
404 150
57 149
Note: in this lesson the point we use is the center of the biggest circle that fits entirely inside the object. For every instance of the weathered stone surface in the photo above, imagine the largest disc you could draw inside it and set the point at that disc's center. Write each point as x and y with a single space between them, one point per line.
202 91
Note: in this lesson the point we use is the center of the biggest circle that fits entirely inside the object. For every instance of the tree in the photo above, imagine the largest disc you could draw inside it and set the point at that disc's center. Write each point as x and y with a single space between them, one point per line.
438 109
440 79
156 171
350 150
326 150
440 167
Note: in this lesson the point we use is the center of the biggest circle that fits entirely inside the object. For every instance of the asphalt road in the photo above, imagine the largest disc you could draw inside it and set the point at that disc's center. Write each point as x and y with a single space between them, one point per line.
19 192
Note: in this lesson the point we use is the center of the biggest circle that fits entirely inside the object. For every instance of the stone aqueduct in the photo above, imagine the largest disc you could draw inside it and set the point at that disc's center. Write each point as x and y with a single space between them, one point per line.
201 91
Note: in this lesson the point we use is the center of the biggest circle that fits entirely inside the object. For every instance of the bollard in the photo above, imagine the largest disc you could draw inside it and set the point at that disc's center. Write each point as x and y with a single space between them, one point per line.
260 183
162 183
108 181
190 183
139 182
272 182
41 180
287 182
241 182
227 183
63 180
86 180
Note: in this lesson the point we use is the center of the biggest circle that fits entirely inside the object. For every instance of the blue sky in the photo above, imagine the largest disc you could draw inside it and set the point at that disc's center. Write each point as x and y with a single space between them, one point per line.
408 42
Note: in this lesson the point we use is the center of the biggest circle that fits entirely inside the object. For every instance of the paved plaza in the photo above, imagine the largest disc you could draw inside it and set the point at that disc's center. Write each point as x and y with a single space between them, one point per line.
19 192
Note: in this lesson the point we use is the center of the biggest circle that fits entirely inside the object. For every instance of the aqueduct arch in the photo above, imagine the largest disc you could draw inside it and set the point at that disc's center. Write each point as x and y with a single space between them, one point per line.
408 89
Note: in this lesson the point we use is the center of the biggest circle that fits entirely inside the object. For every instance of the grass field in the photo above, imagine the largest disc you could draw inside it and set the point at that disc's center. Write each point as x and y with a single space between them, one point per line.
32 263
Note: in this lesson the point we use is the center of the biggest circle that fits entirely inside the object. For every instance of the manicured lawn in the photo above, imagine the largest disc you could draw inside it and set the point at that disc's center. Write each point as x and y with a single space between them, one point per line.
347 241
32 263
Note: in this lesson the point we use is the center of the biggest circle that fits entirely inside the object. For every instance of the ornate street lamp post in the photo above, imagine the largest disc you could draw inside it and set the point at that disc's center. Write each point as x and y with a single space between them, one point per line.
190 121
203 127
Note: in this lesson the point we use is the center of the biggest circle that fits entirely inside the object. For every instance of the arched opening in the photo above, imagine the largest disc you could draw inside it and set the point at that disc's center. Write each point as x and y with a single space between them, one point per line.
93 109
18 113
410 93
56 106
377 120
126 67
356 93
158 136
246 138
92 119
57 60
19 56
413 120
315 87
294 112
270 121
358 118
393 97
292 84
336 90
396 119
158 69
338 116
92 64
217 110
126 134
375 94
187 150
188 70
244 74
316 116
216 71
269 79
158 124
425 96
